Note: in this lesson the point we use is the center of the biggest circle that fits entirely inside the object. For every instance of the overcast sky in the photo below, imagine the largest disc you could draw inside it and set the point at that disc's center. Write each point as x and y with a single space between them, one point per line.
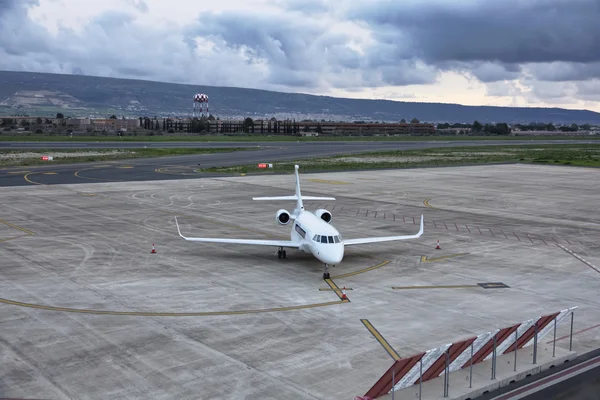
489 52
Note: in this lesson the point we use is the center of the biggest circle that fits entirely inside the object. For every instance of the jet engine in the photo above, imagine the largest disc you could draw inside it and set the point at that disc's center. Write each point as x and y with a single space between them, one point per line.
283 217
324 215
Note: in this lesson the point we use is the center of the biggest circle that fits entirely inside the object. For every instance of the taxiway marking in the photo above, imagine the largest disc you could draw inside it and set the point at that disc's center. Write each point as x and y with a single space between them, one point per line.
577 256
26 177
362 271
330 289
436 287
27 231
169 171
442 258
92 179
426 202
390 350
337 290
167 314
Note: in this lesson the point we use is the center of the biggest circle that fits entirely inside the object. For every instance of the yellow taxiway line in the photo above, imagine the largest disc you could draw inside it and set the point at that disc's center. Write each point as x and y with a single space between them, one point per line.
166 314
26 177
337 290
390 350
362 271
27 231
426 202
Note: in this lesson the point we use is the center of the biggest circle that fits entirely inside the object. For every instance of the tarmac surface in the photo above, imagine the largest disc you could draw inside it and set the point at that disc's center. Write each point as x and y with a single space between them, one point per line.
305 146
87 311
184 167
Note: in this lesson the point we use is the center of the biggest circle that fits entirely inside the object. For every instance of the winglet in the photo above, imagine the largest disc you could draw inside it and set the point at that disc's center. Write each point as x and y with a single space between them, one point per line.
421 230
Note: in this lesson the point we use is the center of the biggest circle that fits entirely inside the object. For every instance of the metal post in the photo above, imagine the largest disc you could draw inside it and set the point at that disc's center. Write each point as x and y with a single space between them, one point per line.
516 339
447 371
554 341
420 376
535 344
446 376
494 360
571 335
471 367
393 380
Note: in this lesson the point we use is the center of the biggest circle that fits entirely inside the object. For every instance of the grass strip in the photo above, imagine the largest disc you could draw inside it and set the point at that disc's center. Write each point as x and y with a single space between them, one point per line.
65 156
561 154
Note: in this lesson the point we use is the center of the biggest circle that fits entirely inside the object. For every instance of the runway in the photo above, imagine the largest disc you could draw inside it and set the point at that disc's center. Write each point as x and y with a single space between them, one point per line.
184 167
347 145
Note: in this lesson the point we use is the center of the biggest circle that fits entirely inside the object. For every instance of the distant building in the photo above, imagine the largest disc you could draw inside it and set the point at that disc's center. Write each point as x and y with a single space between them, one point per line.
345 127
109 124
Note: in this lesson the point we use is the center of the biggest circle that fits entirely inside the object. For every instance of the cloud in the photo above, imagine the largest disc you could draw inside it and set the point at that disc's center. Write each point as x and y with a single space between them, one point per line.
515 48
141 5
510 31
561 71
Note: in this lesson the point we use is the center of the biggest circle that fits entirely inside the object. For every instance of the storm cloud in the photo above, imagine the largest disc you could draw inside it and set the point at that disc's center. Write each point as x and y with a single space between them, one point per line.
551 47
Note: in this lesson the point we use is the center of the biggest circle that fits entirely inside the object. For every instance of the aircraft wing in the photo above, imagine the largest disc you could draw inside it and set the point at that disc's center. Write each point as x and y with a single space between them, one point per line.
349 242
258 242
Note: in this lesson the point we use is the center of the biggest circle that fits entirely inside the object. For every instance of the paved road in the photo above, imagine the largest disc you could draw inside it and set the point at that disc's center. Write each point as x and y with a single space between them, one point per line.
183 167
576 380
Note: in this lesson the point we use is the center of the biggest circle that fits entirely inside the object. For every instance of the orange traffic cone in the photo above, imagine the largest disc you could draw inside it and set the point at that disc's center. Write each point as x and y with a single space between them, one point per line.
437 247
153 249
344 293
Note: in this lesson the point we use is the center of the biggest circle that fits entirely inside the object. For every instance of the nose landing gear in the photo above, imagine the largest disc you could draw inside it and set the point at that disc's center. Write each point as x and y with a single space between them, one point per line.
326 273
281 253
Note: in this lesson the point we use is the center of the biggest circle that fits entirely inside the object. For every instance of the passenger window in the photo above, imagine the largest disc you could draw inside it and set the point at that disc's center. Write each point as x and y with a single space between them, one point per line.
330 239
336 239
323 239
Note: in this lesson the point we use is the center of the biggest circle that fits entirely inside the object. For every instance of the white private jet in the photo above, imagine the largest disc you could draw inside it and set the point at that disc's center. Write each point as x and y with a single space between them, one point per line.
311 233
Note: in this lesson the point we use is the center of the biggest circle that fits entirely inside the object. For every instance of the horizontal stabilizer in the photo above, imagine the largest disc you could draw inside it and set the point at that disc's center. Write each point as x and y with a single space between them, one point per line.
293 198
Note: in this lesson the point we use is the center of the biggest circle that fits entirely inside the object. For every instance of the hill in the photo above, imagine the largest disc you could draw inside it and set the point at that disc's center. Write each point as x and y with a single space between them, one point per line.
78 95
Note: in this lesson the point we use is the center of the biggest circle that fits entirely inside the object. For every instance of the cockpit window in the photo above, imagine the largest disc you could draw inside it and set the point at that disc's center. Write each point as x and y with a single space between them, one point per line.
327 239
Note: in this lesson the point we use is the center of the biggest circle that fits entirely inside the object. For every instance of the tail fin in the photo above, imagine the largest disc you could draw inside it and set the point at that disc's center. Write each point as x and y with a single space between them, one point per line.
298 195
299 204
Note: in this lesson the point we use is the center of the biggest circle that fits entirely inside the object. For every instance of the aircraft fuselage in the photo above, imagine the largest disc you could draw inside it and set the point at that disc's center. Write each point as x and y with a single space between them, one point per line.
318 238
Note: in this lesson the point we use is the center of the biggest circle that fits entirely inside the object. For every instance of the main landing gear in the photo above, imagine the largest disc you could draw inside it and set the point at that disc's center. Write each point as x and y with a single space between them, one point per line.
326 273
281 253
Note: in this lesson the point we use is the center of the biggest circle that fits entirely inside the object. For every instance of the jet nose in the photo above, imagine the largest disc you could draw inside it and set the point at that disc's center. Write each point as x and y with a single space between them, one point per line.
335 254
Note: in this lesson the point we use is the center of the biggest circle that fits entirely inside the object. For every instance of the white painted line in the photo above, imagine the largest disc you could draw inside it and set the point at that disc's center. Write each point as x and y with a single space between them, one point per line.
583 260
